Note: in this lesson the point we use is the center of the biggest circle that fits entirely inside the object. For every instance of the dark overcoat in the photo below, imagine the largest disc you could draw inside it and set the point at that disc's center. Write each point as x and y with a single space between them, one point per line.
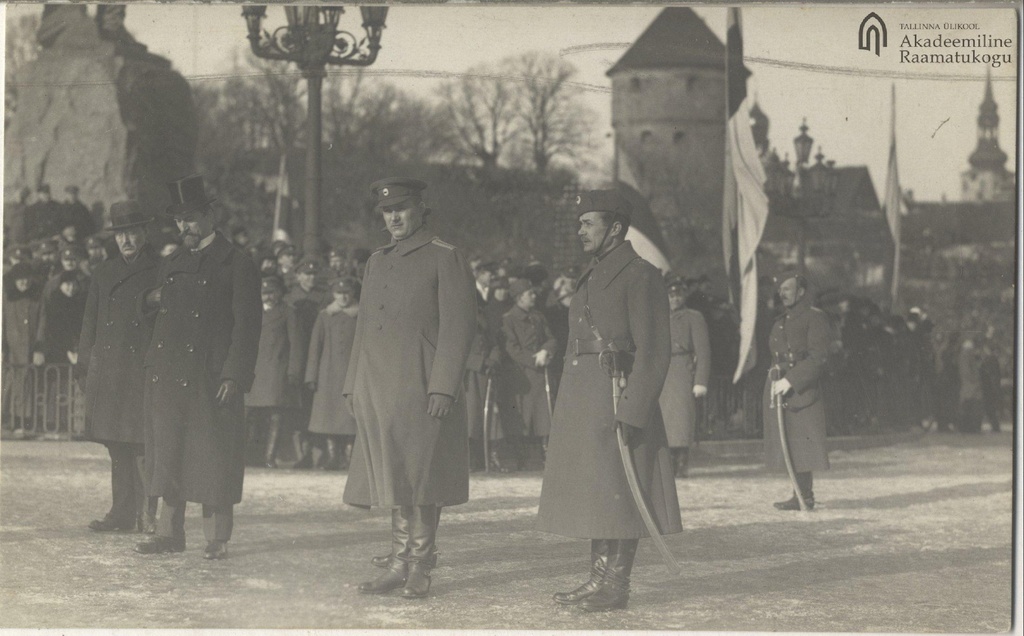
485 354
526 333
20 322
585 493
281 356
60 325
416 323
330 351
112 346
206 330
690 366
802 335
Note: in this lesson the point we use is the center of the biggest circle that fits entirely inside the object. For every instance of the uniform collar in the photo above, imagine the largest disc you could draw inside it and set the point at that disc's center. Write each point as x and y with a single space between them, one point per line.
419 238
801 307
602 271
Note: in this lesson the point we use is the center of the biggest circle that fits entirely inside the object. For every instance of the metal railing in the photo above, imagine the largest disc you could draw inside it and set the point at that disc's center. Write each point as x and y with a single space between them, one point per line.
43 401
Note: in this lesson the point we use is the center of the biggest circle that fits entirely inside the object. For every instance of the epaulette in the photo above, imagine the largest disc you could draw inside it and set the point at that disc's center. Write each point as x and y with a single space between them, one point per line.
381 248
438 242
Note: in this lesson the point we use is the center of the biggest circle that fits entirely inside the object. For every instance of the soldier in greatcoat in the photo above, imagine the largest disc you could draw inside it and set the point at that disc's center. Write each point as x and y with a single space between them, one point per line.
307 299
110 351
413 334
275 387
530 347
330 351
21 308
201 360
688 374
799 344
621 301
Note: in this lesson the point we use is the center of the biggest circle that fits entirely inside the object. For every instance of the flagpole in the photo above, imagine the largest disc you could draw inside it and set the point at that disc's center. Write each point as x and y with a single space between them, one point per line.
893 199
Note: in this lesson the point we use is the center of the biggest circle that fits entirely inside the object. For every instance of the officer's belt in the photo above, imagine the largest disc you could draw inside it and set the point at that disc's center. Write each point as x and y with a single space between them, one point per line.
593 346
792 357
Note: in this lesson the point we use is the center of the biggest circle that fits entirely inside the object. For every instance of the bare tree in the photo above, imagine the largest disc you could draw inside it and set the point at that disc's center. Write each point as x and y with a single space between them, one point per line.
556 122
482 113
20 48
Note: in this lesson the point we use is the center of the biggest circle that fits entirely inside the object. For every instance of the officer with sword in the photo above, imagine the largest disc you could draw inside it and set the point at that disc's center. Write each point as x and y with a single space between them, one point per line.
794 413
609 474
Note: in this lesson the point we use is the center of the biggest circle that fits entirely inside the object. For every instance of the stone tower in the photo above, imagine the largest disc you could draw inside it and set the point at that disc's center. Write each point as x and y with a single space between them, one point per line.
987 179
668 113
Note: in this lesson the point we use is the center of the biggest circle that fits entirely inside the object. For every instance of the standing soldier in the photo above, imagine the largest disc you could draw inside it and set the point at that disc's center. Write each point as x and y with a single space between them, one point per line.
799 343
688 375
201 359
110 352
481 368
307 300
20 315
620 306
530 347
413 335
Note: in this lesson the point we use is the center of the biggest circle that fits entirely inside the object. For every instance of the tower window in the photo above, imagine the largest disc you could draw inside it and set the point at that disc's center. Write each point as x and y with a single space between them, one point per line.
645 136
634 84
678 137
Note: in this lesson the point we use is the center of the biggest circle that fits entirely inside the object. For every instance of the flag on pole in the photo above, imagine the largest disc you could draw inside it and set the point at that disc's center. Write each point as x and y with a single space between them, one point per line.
745 204
644 232
893 202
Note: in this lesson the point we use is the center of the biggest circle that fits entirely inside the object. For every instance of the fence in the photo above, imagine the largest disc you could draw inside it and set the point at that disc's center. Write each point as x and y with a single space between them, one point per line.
43 401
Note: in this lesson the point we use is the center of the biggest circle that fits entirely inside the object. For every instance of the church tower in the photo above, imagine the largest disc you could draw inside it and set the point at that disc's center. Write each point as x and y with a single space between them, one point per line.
987 179
668 113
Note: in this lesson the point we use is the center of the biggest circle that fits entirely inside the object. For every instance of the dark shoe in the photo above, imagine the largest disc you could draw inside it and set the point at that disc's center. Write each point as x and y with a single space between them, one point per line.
598 567
610 595
417 584
574 597
216 550
794 504
160 545
333 459
106 524
393 579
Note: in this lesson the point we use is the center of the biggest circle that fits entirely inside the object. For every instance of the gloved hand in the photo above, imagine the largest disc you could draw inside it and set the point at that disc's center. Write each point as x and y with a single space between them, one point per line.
226 393
38 359
541 358
781 387
699 390
439 405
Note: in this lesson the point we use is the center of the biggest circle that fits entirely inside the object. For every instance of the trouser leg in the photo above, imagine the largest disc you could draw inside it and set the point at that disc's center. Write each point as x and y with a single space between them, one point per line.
273 431
805 482
122 483
218 521
171 522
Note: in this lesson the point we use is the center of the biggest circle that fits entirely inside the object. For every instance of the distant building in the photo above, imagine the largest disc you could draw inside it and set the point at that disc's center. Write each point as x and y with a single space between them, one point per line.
987 179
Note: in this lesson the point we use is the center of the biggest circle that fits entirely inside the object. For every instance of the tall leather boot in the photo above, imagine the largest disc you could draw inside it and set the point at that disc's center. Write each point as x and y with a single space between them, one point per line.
398 560
613 590
273 430
347 457
682 461
805 482
384 561
332 454
303 458
422 534
598 565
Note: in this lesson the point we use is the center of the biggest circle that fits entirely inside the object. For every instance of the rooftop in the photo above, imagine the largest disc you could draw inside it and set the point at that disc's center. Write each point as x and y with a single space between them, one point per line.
677 38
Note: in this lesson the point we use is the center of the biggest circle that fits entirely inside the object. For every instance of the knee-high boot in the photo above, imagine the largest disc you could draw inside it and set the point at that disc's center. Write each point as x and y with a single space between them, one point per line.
613 590
333 458
598 565
805 482
682 461
398 560
422 534
273 430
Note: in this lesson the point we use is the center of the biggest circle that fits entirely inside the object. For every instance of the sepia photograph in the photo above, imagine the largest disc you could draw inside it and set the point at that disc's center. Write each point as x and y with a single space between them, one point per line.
598 317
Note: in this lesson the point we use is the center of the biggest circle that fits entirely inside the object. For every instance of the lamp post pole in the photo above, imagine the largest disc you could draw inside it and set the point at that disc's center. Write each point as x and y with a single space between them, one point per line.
312 41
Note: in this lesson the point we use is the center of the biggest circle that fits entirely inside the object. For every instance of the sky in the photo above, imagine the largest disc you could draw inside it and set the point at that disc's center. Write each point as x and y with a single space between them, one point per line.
786 48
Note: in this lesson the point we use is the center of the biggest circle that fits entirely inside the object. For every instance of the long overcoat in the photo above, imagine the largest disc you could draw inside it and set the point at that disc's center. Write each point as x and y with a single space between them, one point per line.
281 356
416 323
483 364
112 346
206 330
585 493
20 323
526 333
330 351
801 335
691 365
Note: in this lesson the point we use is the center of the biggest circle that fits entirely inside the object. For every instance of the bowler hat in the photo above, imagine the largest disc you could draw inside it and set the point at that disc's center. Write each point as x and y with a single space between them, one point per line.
188 194
395 190
126 214
603 201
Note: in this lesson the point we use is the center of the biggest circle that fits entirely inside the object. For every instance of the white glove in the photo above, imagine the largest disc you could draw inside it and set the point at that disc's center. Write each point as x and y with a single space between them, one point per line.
699 390
541 358
780 387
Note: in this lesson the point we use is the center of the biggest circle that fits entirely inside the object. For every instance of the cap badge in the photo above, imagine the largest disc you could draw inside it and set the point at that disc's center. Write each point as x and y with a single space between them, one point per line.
384 191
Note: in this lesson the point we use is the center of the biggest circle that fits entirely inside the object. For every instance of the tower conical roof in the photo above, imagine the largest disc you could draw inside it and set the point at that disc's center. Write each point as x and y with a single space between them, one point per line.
988 155
677 38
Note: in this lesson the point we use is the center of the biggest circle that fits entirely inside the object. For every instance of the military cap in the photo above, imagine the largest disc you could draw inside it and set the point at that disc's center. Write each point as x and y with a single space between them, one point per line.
519 286
72 252
785 275
93 242
675 282
19 271
44 187
309 266
489 266
336 252
536 273
48 246
499 282
395 190
345 285
126 214
283 248
268 283
21 253
603 201
188 194
68 276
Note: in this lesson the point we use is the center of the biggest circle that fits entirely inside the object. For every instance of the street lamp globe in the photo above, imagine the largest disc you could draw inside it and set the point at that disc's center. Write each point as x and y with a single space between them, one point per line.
803 144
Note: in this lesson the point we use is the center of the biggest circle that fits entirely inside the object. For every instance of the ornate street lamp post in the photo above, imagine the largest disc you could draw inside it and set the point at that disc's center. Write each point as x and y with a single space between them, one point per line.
312 40
803 194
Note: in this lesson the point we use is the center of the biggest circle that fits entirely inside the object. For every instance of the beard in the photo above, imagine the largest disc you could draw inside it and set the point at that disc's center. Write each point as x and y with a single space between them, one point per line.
190 240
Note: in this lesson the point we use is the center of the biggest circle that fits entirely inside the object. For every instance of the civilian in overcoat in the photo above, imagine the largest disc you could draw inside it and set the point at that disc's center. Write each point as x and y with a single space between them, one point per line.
330 351
688 374
110 353
620 299
799 343
413 335
526 334
200 361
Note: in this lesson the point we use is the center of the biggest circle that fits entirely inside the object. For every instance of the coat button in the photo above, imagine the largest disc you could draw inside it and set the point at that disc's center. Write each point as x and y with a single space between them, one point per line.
106 347
156 378
201 281
170 279
110 323
135 323
195 313
183 382
113 298
379 327
160 345
189 348
25 321
131 348
163 311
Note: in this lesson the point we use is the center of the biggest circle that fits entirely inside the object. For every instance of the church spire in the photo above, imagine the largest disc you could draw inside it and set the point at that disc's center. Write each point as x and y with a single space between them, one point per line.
988 156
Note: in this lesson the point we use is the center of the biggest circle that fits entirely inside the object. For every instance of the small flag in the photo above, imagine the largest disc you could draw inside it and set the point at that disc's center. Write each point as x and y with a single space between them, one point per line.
644 232
894 202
